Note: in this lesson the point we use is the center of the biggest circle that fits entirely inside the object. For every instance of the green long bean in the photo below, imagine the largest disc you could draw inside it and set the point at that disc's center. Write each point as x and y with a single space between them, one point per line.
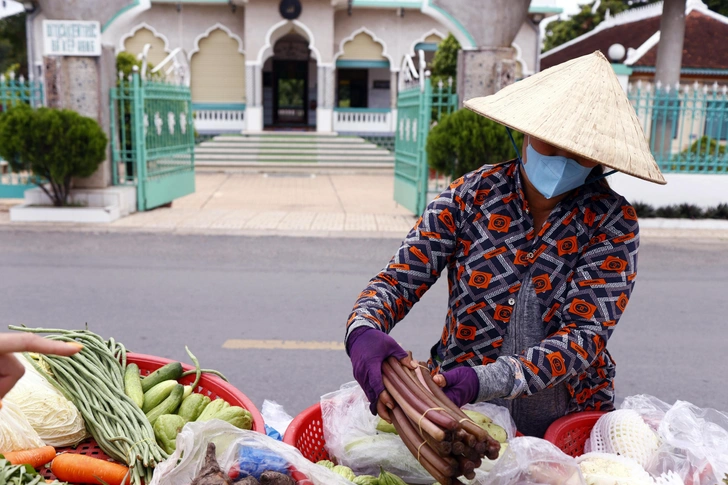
93 380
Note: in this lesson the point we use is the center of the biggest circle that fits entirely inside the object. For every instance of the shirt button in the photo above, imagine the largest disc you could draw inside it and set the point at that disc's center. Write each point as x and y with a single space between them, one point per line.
511 301
530 255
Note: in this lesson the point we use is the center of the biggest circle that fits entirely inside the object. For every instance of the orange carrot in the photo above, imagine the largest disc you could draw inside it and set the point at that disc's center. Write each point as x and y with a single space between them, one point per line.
73 468
37 457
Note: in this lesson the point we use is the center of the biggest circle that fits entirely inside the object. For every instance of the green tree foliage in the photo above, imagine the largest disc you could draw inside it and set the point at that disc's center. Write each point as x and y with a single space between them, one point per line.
561 31
464 141
445 62
54 145
12 45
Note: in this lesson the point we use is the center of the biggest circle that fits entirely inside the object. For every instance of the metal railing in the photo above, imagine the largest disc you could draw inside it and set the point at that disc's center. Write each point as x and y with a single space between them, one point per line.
14 91
152 139
686 125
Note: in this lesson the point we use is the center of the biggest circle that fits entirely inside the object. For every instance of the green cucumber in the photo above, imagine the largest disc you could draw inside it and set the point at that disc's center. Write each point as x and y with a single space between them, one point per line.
171 371
188 391
169 405
133 384
154 396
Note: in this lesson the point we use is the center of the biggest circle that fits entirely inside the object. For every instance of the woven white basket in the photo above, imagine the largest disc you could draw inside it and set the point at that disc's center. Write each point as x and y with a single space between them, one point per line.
624 433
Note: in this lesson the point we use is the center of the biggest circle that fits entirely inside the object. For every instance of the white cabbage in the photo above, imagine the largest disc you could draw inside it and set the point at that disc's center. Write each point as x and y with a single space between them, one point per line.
15 431
56 420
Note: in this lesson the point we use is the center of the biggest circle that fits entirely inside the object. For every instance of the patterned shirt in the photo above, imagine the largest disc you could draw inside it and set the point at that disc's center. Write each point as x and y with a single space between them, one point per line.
582 264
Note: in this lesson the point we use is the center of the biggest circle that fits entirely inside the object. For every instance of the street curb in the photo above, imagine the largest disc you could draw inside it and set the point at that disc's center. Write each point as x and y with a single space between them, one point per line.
696 235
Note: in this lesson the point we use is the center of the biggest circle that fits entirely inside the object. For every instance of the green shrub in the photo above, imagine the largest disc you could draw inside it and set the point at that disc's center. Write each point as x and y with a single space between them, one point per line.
464 141
643 210
54 145
445 62
718 212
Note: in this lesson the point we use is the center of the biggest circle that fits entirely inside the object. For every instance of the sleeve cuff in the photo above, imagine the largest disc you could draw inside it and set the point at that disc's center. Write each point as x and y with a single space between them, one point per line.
496 380
356 324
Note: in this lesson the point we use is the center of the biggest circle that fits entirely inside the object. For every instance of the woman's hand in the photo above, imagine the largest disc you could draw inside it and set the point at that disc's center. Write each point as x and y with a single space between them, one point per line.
369 348
461 385
11 370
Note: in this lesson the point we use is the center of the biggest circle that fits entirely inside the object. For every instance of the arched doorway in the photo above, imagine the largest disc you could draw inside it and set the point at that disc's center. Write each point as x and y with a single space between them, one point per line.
289 84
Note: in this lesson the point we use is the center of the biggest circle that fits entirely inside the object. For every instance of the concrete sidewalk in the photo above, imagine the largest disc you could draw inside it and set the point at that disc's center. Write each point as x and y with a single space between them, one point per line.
275 203
300 204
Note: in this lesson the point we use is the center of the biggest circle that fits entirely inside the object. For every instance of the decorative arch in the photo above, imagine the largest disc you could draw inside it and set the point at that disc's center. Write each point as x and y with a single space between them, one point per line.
136 29
519 59
207 33
423 38
278 30
364 30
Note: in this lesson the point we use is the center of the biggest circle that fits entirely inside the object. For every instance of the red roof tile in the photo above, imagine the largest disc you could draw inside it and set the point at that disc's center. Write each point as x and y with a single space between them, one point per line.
632 34
704 47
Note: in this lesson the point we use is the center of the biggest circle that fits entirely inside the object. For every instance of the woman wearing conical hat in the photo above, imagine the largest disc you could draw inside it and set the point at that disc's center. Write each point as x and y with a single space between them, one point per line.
541 256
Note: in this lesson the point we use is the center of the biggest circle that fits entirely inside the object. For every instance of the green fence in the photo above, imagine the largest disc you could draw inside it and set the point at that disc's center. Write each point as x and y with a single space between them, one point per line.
12 92
687 127
153 140
419 106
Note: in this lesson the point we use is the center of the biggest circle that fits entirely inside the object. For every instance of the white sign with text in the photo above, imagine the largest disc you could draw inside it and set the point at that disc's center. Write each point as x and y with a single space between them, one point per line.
71 38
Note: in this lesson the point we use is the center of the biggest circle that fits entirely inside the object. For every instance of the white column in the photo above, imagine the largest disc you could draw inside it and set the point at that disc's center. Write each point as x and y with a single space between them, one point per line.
253 98
393 91
325 109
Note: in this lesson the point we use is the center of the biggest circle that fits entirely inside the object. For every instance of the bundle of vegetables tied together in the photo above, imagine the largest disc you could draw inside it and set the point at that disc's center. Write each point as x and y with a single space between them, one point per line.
442 437
134 420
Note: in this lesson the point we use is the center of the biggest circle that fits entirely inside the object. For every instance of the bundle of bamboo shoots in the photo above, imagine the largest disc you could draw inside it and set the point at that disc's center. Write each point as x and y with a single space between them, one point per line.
444 440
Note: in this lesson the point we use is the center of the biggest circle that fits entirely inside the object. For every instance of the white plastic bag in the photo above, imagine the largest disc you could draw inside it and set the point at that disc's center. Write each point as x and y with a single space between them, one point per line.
275 416
352 438
187 460
533 461
16 433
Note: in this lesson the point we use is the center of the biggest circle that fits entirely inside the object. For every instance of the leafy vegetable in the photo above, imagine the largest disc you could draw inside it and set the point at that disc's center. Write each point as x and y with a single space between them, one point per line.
56 420
21 474
16 433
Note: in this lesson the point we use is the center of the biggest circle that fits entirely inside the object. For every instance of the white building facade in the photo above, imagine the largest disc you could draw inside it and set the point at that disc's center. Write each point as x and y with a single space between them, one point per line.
324 65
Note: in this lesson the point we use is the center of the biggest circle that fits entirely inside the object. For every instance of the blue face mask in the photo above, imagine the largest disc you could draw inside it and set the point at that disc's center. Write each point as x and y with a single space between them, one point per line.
554 175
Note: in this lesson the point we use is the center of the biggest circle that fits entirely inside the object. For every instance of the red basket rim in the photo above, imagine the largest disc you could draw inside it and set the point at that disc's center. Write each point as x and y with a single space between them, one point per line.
567 423
300 422
215 381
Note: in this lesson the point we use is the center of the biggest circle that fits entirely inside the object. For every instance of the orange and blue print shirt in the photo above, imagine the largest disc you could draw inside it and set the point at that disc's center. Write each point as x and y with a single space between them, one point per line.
582 264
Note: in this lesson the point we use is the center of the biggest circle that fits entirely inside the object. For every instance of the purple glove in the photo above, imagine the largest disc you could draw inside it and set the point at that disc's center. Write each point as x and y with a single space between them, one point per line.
462 385
368 348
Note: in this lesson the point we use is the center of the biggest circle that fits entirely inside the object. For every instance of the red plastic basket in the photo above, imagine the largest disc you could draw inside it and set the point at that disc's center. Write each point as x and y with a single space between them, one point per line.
209 385
306 433
571 432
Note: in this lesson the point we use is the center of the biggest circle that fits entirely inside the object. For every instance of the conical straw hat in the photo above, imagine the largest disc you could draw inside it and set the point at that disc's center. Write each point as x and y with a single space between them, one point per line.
578 106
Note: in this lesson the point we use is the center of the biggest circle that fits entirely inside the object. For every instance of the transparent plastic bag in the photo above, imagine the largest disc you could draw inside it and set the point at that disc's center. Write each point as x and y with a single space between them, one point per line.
533 461
352 438
649 407
238 451
500 416
275 416
695 444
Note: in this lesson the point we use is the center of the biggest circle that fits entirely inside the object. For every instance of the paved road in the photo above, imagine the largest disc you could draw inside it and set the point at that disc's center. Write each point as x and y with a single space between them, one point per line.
157 293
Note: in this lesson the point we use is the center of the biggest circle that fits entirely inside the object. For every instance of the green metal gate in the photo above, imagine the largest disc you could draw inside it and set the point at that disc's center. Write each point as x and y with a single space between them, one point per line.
15 91
418 107
153 140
